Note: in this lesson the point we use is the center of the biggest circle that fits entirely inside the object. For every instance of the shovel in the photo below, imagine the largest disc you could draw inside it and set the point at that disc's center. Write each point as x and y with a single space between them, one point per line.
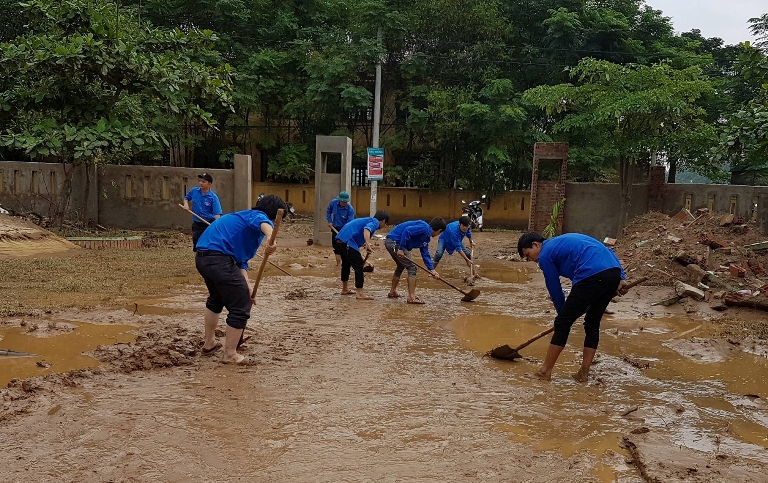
470 280
367 267
507 353
271 241
468 296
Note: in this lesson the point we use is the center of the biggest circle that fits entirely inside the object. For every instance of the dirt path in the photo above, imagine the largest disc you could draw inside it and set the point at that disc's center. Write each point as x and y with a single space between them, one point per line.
383 391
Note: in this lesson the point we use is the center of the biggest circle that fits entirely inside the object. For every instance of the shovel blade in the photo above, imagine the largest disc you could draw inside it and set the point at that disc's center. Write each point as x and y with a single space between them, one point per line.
504 353
368 267
472 295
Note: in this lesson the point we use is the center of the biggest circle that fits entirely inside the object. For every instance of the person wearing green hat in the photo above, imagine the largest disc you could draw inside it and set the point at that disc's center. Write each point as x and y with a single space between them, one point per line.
339 213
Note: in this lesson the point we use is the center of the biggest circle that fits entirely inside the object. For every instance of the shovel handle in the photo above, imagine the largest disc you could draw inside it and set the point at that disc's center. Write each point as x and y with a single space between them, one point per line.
444 281
195 215
278 219
635 282
534 339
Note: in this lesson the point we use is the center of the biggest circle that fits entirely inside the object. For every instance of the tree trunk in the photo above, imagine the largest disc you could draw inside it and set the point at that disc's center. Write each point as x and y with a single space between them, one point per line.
626 178
66 194
672 171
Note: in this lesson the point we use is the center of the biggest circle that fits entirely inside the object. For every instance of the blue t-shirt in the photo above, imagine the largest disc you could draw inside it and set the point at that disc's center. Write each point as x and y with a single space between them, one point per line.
452 237
207 205
238 234
414 234
339 215
576 257
353 232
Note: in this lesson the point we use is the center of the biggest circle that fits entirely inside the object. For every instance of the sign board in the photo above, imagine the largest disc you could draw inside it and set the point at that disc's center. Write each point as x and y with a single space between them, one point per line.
376 164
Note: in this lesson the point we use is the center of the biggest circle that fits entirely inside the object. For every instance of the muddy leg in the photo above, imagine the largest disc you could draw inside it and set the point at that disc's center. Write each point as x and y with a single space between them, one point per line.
411 288
393 289
230 345
586 363
545 371
211 320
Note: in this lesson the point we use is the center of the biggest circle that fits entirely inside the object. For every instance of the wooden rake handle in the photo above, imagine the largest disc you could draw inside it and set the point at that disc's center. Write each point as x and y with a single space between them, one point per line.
278 220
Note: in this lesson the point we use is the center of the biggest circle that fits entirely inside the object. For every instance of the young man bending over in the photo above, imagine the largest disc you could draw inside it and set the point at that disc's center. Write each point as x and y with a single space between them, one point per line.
597 277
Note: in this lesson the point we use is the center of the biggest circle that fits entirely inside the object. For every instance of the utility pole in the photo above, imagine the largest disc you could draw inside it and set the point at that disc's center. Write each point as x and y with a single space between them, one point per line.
376 122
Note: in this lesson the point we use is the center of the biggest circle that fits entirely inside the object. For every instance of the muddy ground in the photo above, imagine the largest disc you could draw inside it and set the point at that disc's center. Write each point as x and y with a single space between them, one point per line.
363 391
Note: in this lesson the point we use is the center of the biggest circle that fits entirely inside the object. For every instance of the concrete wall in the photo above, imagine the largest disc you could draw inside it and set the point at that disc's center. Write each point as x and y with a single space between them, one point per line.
120 196
40 188
148 196
508 210
736 199
155 192
593 208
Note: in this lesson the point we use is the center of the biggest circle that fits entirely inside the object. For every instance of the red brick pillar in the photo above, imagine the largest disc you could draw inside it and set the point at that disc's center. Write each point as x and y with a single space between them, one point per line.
657 186
545 193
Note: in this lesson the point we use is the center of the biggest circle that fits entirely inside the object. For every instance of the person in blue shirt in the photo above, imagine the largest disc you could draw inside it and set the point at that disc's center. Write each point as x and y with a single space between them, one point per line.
451 240
339 213
223 252
597 277
355 235
205 204
400 241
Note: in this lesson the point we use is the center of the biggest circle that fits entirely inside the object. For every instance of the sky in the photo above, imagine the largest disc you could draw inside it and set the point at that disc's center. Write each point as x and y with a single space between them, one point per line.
726 19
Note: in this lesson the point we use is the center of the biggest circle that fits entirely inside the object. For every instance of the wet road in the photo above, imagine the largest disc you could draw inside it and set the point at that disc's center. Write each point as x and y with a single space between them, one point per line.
349 390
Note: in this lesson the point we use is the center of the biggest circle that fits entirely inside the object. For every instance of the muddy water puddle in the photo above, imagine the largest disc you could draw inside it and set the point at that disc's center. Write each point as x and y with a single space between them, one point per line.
707 395
59 349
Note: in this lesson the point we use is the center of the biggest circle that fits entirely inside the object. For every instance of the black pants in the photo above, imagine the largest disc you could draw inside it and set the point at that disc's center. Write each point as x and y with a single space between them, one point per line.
337 249
590 296
198 227
350 259
226 287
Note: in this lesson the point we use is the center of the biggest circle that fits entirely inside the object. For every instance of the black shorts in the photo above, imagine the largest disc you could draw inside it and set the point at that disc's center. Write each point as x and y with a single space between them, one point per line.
226 287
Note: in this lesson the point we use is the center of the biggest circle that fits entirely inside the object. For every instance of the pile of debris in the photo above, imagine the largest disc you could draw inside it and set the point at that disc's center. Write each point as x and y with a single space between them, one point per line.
703 255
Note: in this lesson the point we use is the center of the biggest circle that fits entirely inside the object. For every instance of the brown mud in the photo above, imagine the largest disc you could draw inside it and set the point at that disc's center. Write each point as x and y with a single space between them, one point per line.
359 391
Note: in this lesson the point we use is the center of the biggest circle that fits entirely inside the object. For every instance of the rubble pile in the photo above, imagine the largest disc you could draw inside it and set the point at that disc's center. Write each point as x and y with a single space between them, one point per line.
702 255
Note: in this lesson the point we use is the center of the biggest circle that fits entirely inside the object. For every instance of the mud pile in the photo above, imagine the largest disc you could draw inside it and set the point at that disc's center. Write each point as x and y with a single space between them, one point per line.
716 254
20 238
152 350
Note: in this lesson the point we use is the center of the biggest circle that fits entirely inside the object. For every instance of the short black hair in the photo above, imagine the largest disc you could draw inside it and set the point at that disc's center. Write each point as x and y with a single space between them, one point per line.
437 223
382 215
527 240
269 204
465 221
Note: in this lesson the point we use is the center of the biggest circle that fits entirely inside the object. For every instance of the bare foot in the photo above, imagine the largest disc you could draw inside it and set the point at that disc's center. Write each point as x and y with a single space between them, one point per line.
364 297
348 292
582 375
538 375
236 359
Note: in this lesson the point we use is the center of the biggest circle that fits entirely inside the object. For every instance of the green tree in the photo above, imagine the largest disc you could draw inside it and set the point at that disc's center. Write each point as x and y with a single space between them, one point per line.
85 83
631 111
744 137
